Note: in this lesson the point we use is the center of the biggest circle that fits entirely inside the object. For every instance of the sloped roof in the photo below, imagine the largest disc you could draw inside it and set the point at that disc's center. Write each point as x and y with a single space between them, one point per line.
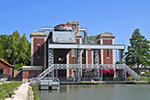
78 35
106 35
38 33
5 62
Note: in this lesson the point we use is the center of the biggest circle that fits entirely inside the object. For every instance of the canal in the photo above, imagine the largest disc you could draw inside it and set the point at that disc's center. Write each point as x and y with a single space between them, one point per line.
97 92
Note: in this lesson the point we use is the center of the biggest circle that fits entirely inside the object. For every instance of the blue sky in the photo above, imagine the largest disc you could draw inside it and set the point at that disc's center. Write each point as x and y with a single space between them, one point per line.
120 17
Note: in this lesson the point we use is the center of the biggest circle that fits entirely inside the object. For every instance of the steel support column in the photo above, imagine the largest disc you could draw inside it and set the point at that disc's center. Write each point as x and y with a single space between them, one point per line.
78 61
122 61
51 60
96 61
122 56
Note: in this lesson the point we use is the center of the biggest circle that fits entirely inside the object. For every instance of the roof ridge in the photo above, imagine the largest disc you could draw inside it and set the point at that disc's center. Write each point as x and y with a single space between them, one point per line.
5 62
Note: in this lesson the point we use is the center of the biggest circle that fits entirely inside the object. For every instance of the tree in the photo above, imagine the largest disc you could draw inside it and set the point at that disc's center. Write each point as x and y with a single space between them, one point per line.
139 52
15 50
91 39
4 42
1 49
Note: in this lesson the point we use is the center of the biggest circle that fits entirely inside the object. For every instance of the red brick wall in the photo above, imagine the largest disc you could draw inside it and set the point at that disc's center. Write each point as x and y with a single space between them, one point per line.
77 41
107 41
108 59
83 60
30 73
25 74
38 56
72 58
6 69
89 57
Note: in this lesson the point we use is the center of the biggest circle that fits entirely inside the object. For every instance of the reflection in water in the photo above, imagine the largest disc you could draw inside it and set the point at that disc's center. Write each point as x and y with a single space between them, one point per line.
100 92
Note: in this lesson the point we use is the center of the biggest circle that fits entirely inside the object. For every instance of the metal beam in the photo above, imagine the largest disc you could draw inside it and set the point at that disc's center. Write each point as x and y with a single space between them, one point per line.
85 34
52 28
46 28
80 46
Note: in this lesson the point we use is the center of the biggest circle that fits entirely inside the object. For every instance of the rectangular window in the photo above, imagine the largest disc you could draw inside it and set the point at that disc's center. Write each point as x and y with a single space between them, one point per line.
38 51
1 71
107 52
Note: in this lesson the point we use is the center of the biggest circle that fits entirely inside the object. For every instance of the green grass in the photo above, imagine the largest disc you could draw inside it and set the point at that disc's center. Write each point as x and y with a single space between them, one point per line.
143 78
7 88
34 88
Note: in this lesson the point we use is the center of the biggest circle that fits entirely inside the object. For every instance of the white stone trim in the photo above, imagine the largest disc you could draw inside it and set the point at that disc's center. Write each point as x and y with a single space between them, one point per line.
113 53
101 41
44 53
32 68
107 38
32 45
39 36
92 56
80 41
67 66
102 59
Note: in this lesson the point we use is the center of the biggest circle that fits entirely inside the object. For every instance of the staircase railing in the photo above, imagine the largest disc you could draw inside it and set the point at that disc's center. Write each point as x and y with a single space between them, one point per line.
49 70
133 73
43 74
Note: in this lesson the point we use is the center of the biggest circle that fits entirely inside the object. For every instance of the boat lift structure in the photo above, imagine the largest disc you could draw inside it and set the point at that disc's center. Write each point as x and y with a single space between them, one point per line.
80 71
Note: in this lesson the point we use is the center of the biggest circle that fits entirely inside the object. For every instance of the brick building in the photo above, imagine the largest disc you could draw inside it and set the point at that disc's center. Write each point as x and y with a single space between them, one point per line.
6 70
39 53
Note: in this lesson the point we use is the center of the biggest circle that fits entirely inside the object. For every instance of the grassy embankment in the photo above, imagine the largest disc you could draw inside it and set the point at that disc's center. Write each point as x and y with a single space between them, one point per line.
34 88
7 88
143 78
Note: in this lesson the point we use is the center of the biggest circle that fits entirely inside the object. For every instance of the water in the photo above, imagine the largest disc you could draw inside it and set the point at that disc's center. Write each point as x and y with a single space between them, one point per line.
97 92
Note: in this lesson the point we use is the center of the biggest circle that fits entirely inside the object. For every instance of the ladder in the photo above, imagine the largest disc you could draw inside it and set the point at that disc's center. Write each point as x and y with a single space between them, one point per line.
132 73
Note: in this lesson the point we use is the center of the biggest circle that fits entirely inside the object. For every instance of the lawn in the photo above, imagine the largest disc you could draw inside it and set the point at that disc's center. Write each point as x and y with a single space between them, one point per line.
7 88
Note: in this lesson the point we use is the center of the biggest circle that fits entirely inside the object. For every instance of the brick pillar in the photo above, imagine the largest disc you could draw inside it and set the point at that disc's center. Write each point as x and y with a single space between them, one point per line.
38 48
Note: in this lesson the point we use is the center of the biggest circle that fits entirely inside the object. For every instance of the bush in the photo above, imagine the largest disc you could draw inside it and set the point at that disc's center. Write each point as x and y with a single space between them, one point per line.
34 88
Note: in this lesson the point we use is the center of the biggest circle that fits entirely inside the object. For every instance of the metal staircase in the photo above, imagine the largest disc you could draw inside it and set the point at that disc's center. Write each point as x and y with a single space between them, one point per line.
49 70
43 74
132 73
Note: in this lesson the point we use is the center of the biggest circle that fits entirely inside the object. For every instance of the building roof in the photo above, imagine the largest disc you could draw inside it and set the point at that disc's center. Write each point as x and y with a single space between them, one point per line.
106 35
5 62
38 33
73 22
78 35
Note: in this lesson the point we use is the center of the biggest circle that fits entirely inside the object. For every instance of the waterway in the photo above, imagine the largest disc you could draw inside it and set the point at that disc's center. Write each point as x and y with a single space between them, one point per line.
97 92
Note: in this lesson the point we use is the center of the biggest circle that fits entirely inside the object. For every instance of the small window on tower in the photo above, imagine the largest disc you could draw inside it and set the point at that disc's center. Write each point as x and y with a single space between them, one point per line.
73 27
38 51
107 52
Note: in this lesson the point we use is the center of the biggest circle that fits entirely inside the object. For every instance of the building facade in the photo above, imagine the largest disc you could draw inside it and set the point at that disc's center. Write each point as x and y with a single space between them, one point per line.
44 53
